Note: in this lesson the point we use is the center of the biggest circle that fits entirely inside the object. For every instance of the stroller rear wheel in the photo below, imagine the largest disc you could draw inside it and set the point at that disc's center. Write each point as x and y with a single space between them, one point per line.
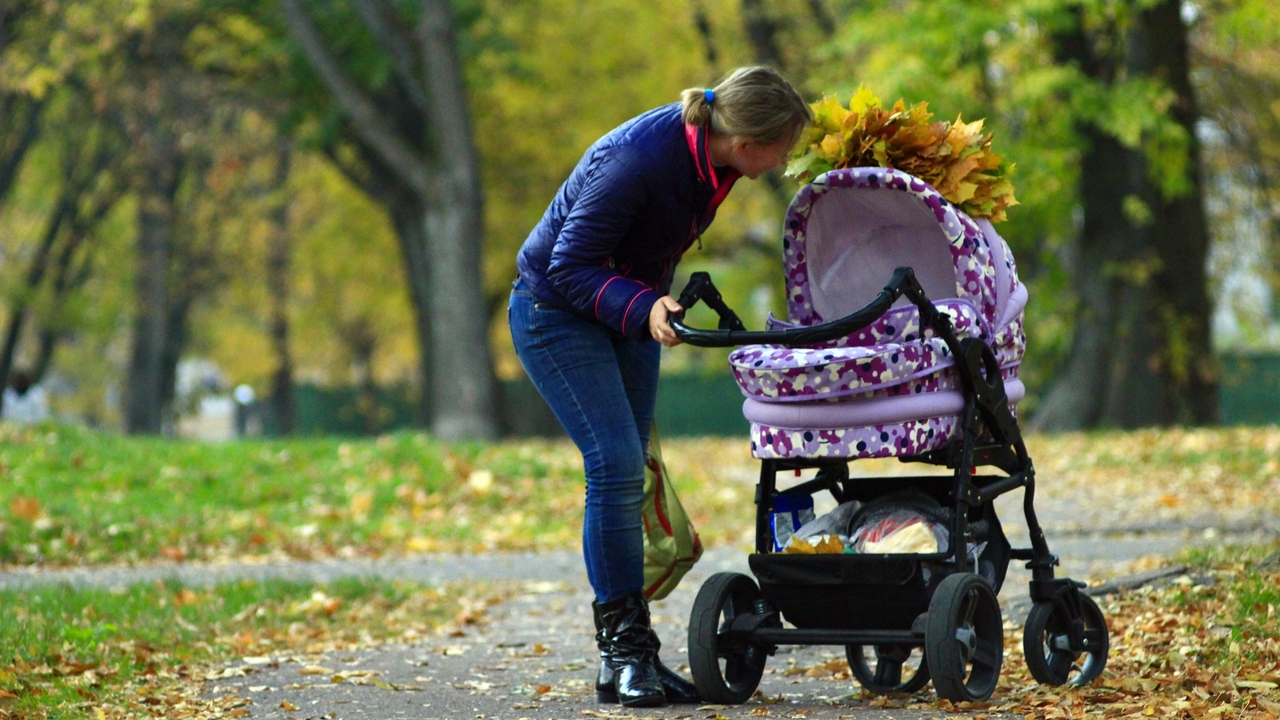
726 669
964 638
890 663
1046 644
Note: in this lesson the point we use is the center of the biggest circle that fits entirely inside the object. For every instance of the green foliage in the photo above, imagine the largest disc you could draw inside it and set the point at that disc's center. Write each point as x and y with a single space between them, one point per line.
548 77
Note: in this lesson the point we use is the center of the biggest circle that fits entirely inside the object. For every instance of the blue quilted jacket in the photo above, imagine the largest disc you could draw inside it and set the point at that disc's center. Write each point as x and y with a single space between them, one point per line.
608 245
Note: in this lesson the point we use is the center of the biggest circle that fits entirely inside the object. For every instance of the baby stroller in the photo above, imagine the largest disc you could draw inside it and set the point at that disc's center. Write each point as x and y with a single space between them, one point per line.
924 369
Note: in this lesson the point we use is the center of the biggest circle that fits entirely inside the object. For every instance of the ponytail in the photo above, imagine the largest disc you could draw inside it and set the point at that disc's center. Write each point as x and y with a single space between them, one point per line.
752 102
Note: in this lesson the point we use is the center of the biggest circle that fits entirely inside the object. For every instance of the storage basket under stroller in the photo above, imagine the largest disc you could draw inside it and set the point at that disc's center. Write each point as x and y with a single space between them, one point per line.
924 369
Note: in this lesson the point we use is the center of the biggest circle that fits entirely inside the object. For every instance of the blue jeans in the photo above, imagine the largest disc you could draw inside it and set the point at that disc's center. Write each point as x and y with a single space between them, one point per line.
602 387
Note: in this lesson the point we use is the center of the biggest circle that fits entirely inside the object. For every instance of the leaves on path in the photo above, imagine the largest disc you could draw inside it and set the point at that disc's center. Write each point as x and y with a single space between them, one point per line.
1188 650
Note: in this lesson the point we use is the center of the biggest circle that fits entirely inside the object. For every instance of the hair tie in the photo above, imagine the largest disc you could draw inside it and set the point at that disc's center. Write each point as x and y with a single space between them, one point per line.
709 95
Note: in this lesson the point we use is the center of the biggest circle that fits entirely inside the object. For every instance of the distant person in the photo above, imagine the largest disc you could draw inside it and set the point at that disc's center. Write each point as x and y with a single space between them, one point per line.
591 309
25 402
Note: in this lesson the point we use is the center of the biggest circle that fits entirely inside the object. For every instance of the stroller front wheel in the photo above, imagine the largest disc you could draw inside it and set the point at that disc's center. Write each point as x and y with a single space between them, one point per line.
964 638
726 668
1047 646
887 675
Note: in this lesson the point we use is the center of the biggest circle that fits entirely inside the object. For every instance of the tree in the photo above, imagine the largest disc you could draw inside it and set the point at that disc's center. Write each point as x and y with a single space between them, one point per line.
89 186
279 289
444 179
1141 353
1093 102
21 103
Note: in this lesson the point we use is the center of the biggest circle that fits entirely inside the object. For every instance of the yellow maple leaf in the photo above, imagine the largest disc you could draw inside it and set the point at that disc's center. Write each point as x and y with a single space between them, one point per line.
863 99
831 146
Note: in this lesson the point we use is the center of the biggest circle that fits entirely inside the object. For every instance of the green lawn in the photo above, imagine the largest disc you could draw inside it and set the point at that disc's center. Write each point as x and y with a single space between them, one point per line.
145 650
70 496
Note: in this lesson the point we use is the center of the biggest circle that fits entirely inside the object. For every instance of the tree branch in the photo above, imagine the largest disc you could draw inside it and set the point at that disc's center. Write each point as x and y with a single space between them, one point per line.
703 24
451 112
368 121
31 129
377 16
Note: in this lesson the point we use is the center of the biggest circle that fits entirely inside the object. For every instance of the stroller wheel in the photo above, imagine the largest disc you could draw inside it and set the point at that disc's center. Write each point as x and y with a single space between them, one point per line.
964 638
1046 644
891 664
726 669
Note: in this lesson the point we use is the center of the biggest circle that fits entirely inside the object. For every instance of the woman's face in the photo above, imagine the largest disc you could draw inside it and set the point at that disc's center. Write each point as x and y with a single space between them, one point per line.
754 159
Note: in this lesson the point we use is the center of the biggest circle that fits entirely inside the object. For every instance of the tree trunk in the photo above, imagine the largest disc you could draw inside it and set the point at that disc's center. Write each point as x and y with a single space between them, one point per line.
1181 231
1106 240
1140 354
415 252
465 401
158 185
278 288
175 341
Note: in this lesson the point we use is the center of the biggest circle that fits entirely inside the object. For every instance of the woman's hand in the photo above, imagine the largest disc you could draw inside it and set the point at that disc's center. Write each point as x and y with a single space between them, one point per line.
659 321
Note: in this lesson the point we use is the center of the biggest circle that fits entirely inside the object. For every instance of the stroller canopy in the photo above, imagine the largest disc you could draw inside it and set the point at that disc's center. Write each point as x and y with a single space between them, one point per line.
846 231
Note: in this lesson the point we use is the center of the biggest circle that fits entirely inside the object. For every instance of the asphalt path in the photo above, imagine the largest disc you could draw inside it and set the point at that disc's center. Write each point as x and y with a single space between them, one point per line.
534 657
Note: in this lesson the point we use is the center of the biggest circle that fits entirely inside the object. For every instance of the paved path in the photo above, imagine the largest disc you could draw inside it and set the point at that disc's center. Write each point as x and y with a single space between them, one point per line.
535 657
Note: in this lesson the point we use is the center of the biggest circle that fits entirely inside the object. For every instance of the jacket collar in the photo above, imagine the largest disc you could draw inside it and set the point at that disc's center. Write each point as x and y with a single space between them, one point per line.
696 137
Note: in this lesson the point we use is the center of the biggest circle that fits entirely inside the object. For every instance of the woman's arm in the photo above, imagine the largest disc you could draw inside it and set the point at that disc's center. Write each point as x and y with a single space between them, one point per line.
608 204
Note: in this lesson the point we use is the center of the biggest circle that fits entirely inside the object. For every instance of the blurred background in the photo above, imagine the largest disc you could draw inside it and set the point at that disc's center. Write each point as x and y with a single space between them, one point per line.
273 217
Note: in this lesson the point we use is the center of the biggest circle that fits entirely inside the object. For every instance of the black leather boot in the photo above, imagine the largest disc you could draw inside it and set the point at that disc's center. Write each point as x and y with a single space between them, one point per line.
626 653
677 689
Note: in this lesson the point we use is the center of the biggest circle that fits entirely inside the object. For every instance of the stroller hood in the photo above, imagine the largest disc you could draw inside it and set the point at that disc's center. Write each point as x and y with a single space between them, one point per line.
846 231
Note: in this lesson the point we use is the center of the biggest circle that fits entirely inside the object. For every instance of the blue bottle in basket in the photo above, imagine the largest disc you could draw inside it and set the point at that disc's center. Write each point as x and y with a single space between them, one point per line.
789 513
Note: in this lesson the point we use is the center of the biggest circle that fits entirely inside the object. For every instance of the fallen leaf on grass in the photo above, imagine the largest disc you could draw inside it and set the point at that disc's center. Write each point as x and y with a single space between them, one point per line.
1256 684
27 508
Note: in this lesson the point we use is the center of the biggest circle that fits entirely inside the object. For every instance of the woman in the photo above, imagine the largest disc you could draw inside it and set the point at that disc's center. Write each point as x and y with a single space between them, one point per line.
592 298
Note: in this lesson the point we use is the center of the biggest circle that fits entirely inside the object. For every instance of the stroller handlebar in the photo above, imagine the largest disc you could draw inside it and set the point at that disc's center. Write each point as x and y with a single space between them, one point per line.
732 332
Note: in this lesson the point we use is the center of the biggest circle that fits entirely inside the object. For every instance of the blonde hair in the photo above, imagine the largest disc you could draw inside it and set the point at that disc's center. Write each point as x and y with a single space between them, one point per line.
752 102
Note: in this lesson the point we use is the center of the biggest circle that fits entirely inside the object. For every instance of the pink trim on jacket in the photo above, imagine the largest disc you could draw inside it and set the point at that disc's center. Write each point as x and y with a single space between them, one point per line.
600 293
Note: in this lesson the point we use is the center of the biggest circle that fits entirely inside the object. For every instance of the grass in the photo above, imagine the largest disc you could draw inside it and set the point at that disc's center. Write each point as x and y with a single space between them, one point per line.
70 496
145 649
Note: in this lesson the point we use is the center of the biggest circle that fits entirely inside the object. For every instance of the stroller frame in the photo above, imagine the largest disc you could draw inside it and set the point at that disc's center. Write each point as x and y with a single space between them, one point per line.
886 601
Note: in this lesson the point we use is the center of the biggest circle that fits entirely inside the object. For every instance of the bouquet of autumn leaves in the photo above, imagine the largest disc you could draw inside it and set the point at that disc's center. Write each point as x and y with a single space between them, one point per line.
955 158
